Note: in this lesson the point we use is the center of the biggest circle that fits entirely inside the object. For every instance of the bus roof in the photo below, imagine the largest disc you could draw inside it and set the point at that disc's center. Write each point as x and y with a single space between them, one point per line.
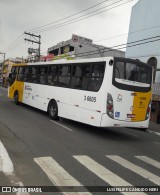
65 61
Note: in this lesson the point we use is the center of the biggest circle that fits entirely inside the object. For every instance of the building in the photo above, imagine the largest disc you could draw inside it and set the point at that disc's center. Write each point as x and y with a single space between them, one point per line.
81 47
144 43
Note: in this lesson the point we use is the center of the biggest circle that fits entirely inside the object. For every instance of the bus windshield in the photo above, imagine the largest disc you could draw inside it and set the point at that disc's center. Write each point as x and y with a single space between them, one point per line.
127 72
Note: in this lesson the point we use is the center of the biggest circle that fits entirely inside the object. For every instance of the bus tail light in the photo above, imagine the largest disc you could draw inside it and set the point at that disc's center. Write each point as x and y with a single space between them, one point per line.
148 110
110 107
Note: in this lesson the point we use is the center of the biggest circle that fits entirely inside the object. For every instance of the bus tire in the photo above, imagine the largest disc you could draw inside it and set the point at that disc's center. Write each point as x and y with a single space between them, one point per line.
16 98
53 110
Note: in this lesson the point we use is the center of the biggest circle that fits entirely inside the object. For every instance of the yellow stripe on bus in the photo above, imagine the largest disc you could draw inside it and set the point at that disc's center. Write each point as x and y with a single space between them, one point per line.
140 106
19 87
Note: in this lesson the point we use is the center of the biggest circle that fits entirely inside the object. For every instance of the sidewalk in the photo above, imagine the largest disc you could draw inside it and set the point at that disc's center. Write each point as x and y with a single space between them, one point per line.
154 126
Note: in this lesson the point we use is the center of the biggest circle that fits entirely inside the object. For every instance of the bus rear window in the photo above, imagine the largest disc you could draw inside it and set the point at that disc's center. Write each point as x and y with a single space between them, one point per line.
132 75
132 72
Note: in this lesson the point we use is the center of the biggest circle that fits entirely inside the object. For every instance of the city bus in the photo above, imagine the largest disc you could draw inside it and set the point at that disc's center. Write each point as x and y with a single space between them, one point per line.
102 92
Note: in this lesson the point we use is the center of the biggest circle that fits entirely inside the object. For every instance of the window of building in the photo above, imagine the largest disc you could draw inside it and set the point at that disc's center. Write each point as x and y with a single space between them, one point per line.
55 52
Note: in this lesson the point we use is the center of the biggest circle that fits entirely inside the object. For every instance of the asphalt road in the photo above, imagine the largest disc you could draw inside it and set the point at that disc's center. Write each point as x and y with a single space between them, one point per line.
61 153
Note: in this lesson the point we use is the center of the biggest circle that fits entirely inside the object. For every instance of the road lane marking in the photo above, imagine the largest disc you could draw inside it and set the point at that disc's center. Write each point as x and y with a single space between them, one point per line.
149 161
62 125
103 173
59 176
157 143
129 133
153 132
138 170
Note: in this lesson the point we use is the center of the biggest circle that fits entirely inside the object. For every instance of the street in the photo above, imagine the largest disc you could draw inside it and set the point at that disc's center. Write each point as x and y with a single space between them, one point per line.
67 153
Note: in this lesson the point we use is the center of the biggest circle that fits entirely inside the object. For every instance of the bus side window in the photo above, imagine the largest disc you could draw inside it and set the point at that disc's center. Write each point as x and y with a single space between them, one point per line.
76 77
64 76
12 76
96 77
85 76
34 72
14 71
20 76
42 75
119 70
52 75
27 74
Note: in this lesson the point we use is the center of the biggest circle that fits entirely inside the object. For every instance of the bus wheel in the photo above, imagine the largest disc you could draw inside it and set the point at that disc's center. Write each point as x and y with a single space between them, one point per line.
16 98
53 110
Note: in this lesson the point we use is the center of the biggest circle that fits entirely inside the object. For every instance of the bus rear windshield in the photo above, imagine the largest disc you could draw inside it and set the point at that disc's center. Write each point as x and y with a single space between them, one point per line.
133 73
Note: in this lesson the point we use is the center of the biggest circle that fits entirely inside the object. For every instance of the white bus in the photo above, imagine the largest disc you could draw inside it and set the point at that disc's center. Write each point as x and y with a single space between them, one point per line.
103 92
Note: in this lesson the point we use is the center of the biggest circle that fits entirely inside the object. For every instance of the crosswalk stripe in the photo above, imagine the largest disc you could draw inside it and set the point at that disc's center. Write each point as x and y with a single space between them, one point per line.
104 173
59 176
139 170
154 132
149 161
7 165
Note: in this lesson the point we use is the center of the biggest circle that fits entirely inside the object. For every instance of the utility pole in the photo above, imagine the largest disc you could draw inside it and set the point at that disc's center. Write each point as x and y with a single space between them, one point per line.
32 36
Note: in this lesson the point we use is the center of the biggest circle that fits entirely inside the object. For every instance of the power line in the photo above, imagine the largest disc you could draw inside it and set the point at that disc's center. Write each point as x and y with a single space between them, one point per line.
127 45
74 20
15 46
63 24
68 16
111 49
81 16
127 33
148 55
115 47
14 42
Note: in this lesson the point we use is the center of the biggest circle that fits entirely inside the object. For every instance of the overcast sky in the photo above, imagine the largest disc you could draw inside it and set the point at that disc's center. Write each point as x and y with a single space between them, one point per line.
18 16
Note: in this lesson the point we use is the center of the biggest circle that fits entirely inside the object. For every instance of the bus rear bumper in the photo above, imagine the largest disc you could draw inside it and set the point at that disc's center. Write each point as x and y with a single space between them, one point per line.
108 122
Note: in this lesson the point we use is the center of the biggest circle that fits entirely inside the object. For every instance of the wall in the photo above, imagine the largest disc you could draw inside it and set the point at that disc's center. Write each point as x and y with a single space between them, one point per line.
145 15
